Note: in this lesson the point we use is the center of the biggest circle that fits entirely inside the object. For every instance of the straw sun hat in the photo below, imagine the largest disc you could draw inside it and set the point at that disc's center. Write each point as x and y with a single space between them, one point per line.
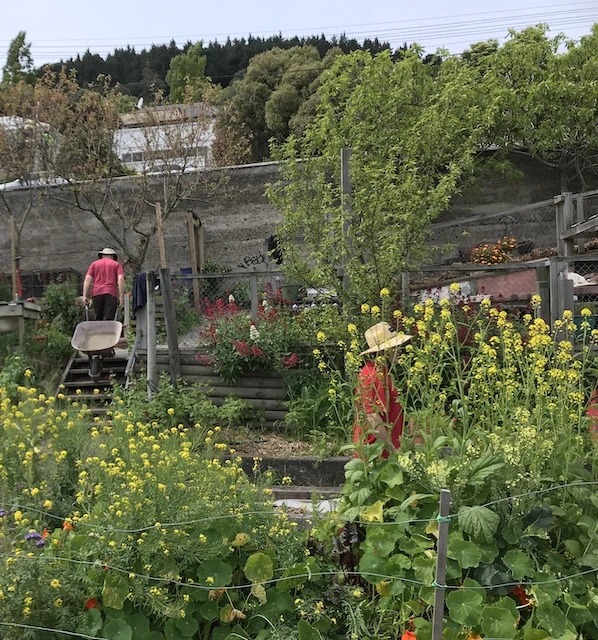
382 336
107 252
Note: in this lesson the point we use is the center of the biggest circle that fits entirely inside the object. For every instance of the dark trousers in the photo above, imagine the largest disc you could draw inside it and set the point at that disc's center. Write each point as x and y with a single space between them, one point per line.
104 306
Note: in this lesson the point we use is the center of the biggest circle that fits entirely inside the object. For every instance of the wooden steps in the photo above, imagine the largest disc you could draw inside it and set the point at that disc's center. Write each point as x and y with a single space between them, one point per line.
97 394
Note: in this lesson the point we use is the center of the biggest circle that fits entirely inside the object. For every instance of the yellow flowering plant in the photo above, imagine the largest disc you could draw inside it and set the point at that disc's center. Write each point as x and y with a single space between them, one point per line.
495 408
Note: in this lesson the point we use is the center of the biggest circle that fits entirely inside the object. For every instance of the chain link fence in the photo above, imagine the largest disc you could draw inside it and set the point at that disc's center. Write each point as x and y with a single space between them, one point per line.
33 284
199 297
506 284
532 227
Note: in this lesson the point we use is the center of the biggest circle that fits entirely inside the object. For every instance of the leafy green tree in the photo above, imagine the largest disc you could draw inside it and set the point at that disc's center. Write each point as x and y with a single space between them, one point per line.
275 97
549 101
186 75
19 63
414 130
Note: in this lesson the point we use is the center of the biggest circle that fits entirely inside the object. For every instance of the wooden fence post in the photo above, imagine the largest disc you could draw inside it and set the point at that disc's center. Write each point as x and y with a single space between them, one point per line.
174 357
160 234
441 554
255 303
193 250
150 310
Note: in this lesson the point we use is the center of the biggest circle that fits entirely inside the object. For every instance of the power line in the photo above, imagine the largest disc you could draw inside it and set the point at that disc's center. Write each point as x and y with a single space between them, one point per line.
318 29
433 30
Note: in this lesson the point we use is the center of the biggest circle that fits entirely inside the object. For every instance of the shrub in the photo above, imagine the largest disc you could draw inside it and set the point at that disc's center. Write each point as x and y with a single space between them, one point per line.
59 306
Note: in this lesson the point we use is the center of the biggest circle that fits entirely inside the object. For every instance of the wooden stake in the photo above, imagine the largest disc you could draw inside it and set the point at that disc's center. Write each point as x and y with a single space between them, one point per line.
444 510
151 334
160 234
193 255
174 357
13 258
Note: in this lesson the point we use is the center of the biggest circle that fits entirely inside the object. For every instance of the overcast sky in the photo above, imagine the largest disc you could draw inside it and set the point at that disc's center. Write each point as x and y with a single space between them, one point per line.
59 29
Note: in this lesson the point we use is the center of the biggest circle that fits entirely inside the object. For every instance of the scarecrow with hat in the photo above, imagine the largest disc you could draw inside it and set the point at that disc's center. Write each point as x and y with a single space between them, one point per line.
105 280
379 415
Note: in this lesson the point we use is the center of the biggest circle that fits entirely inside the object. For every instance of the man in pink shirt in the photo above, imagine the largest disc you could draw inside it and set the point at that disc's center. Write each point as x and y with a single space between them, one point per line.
106 280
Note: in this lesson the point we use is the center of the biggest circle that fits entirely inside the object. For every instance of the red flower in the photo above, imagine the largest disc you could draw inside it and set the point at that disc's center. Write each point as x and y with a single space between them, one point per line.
205 360
291 361
521 595
408 635
242 347
91 603
257 352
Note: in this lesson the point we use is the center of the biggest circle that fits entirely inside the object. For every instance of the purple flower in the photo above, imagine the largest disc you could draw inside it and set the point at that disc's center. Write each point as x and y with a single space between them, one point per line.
33 535
40 543
3 513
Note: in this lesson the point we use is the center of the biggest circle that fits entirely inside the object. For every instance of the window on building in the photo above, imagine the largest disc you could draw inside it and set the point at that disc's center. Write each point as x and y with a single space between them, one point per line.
138 156
126 157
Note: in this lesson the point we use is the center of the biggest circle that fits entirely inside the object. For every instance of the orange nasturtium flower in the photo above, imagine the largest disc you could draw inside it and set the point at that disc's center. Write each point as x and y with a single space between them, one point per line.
408 635
67 526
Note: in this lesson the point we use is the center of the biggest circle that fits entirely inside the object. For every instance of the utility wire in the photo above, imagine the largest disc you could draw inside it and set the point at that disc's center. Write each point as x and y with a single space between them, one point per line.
541 8
427 31
393 35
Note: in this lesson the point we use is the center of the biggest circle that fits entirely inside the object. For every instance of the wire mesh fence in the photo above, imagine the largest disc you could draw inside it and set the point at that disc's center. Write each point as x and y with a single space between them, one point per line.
33 284
507 284
532 228
200 297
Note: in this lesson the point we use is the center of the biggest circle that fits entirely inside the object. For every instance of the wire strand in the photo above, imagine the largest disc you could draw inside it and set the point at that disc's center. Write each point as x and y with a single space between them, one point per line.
33 627
528 494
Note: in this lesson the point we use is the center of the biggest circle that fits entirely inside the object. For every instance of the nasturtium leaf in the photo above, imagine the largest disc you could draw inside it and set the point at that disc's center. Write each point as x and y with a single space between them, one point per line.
547 591
152 635
397 564
432 528
372 567
489 551
214 573
307 632
423 629
424 569
221 632
279 603
172 632
413 499
115 591
381 541
552 619
466 553
139 623
479 522
373 513
258 591
209 610
498 622
259 567
237 632
574 547
520 565
465 607
90 622
187 626
117 629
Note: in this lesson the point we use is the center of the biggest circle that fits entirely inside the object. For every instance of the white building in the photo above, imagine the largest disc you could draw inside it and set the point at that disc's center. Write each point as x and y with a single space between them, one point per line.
178 137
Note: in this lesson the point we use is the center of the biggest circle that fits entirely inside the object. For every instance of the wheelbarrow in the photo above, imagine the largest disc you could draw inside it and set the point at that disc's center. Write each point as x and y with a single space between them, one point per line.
96 339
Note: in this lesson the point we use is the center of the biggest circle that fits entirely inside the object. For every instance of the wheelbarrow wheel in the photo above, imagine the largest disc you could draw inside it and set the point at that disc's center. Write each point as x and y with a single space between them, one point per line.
95 367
